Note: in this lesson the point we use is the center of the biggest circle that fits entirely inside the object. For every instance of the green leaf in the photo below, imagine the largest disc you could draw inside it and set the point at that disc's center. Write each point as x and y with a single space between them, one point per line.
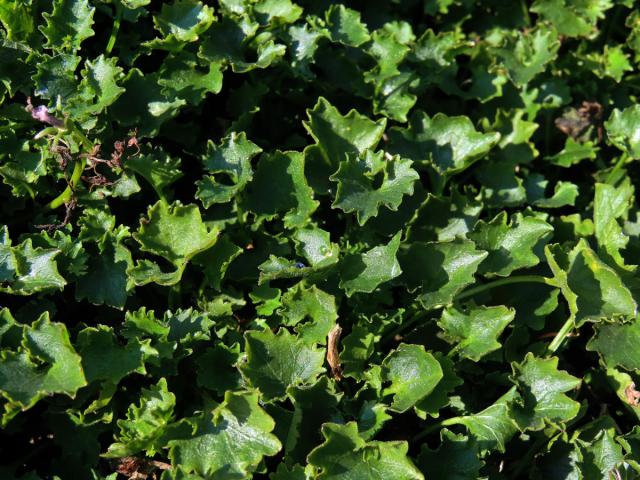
511 245
182 76
610 206
216 261
104 359
157 168
448 145
284 11
543 389
45 364
217 368
494 426
68 25
228 442
174 232
602 456
98 88
564 193
440 396
412 372
233 40
106 281
573 153
592 289
622 127
314 405
280 186
345 27
232 159
276 362
312 304
357 178
30 270
572 18
314 244
440 270
183 20
345 455
615 344
338 135
526 55
457 458
145 425
366 271
475 330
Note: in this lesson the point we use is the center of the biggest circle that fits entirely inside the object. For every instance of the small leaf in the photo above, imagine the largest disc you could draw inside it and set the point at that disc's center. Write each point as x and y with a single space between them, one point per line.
232 159
68 25
622 128
356 178
476 330
365 272
616 344
183 20
276 362
413 374
174 232
511 244
494 426
145 425
449 145
457 458
345 26
440 270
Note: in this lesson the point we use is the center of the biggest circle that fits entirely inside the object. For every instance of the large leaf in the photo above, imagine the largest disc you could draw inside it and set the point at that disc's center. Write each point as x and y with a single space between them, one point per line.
345 455
228 442
543 388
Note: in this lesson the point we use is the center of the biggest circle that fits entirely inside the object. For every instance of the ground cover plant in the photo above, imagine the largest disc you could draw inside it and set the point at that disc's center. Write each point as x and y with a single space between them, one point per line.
360 240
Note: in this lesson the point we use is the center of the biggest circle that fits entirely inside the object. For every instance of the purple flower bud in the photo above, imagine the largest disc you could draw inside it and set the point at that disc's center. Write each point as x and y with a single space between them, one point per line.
41 113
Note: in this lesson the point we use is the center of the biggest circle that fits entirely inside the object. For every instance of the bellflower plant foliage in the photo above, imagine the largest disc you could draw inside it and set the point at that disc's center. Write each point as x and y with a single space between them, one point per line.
390 240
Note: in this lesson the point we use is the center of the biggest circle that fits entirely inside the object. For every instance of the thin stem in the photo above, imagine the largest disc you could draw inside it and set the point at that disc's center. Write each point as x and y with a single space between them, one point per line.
564 331
401 328
503 281
78 168
114 30
611 178
434 427
65 196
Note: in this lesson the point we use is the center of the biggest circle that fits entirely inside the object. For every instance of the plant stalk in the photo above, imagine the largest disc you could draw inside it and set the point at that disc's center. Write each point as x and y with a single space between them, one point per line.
503 281
114 31
561 335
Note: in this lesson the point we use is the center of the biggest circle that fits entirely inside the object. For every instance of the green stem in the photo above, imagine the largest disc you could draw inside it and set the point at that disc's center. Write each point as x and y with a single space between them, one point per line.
503 281
78 168
561 335
114 30
434 427
401 328
611 178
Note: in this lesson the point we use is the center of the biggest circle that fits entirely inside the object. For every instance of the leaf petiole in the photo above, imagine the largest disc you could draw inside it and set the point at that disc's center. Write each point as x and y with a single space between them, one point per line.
504 281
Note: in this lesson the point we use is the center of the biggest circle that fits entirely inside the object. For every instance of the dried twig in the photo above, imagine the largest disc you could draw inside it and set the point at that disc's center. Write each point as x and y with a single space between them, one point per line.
333 358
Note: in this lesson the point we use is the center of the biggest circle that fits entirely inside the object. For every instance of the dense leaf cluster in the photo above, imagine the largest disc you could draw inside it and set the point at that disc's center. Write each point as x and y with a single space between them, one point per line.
361 240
